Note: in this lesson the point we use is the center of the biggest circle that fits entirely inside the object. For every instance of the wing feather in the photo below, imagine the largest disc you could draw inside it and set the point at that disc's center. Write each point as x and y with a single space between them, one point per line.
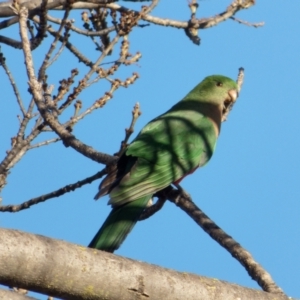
166 149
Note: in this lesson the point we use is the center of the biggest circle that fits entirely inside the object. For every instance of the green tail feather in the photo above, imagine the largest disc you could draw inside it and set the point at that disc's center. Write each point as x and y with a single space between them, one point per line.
118 224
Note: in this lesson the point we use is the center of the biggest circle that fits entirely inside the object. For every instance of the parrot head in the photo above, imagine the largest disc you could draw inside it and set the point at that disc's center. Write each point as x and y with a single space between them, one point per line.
217 90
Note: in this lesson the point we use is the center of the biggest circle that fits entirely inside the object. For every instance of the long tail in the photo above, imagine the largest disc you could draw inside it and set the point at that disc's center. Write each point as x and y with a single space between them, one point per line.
118 224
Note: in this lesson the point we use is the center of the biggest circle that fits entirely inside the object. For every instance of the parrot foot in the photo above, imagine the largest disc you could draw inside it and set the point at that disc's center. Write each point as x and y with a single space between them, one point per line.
183 192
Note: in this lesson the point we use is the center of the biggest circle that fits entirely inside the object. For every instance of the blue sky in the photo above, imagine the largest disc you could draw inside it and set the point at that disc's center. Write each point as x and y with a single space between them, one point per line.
251 186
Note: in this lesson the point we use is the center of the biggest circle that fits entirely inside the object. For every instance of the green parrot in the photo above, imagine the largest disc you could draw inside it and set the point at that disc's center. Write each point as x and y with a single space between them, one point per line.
166 150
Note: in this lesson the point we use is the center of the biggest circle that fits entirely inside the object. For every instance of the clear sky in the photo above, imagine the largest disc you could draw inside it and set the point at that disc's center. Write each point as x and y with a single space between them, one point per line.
250 188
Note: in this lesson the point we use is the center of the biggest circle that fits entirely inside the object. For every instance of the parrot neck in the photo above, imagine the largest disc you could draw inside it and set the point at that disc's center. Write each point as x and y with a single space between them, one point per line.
214 114
211 111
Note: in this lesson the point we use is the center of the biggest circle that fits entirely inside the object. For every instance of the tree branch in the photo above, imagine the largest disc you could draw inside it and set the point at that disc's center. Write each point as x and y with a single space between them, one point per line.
68 45
256 271
37 91
203 23
69 271
256 25
128 131
151 210
11 295
13 83
34 5
83 32
66 189
44 143
239 81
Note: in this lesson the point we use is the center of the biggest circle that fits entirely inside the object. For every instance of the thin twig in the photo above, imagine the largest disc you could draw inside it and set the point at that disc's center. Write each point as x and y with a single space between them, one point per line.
98 20
151 6
129 131
84 83
45 63
71 48
103 100
30 29
41 31
80 31
65 85
240 78
61 48
13 83
66 189
239 81
256 25
45 143
101 58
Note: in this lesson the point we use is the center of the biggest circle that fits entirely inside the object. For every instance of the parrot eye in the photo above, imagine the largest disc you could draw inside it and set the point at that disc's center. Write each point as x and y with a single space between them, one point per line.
218 83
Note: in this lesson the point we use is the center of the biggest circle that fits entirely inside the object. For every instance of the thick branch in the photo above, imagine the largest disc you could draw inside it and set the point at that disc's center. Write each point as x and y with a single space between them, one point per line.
74 272
33 5
10 295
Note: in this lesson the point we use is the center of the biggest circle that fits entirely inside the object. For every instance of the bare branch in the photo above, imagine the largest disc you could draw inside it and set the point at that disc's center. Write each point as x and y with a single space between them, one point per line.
98 21
75 272
255 270
36 88
256 25
16 153
13 83
45 63
65 85
45 143
151 210
36 40
80 31
62 46
20 147
33 6
129 131
239 81
11 295
232 9
41 32
10 42
9 22
94 67
66 189
240 78
68 45
100 103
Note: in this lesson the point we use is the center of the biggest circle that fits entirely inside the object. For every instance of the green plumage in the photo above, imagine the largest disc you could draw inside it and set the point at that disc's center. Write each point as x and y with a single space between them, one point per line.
118 224
167 149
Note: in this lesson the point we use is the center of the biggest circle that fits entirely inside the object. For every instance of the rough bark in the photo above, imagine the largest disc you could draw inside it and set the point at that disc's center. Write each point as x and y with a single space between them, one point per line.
69 271
10 295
